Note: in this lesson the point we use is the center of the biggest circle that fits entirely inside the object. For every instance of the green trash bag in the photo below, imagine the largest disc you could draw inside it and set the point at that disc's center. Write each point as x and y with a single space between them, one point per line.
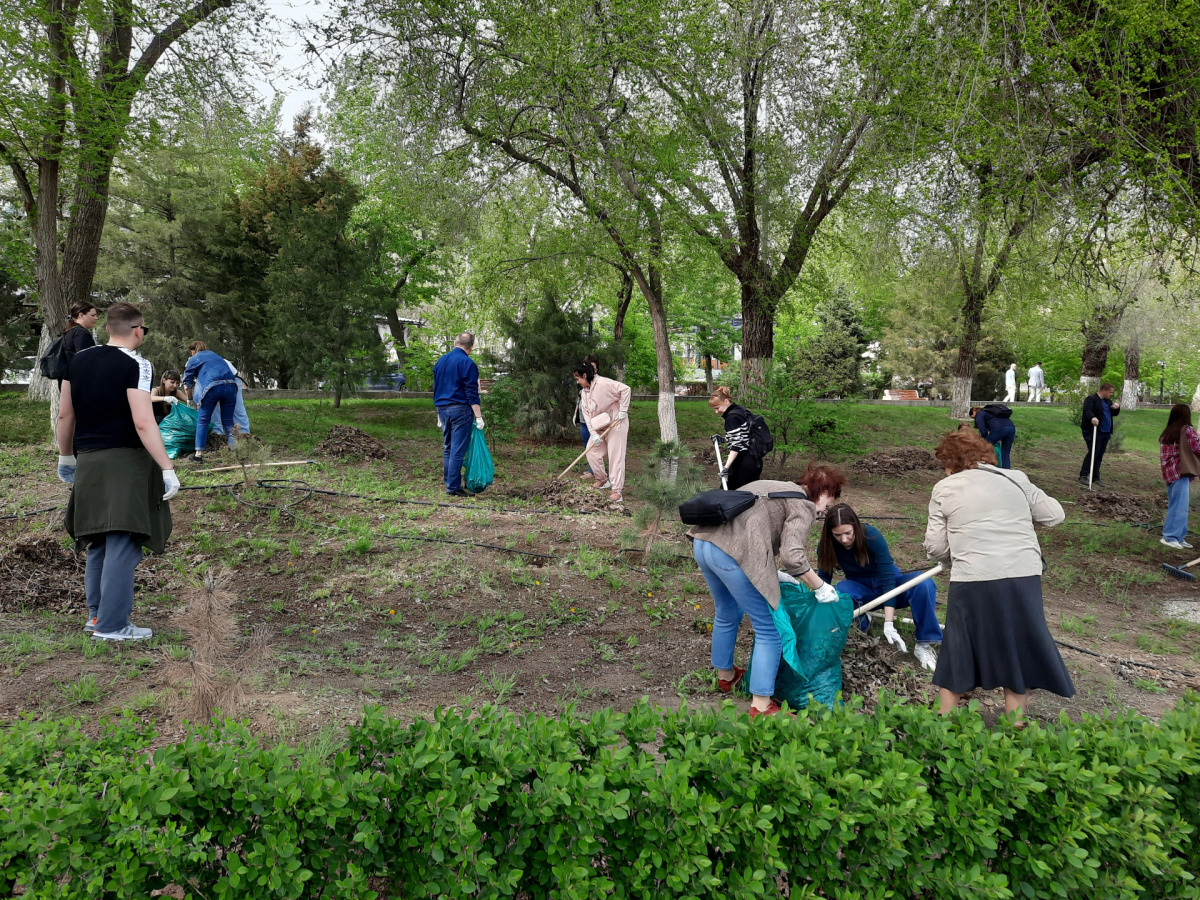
179 430
813 635
480 471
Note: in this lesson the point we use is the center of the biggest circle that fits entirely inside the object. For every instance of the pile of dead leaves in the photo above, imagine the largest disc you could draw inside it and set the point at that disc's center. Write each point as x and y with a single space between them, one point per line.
1114 505
574 494
896 461
41 574
871 664
347 442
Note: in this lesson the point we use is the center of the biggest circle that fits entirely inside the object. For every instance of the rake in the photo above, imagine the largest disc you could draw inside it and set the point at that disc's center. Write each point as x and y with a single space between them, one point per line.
1178 571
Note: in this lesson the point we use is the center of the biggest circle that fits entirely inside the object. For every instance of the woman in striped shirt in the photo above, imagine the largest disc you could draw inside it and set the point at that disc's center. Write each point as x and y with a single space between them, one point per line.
742 466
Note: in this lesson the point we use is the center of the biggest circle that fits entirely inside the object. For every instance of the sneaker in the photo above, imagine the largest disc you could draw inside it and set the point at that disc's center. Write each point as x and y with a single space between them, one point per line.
1098 483
90 625
1083 481
128 633
925 656
615 497
726 686
461 492
1174 545
586 476
604 487
1186 546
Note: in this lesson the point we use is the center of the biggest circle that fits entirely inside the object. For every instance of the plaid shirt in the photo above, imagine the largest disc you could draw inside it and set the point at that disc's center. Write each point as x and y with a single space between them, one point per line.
1168 455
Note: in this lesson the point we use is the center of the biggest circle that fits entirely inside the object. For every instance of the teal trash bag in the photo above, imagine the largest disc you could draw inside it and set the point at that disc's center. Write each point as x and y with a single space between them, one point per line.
480 471
179 430
813 635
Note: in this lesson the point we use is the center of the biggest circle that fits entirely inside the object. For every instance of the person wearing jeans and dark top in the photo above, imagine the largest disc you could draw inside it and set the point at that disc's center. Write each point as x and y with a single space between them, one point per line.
742 466
997 429
1179 456
210 376
112 455
456 398
1098 414
862 553
737 560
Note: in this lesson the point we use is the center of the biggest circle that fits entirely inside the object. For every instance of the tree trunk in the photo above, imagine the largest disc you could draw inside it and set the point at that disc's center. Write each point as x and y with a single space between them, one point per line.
708 379
396 327
964 368
758 337
651 287
1133 365
1095 352
337 396
623 297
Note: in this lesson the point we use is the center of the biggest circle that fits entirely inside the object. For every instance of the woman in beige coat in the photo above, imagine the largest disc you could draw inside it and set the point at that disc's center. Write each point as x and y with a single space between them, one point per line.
604 404
981 522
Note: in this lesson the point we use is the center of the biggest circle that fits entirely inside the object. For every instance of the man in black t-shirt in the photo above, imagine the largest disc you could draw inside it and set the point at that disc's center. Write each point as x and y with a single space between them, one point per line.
112 454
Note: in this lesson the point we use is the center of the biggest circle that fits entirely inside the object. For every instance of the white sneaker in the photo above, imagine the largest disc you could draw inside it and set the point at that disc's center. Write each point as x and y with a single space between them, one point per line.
606 486
1174 545
128 633
925 656
1186 546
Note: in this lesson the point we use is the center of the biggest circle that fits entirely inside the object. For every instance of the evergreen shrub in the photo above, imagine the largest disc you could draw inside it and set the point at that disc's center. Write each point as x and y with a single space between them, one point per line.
691 803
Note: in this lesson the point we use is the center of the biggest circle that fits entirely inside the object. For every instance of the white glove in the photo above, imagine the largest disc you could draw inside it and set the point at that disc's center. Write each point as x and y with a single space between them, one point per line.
170 401
171 483
893 637
825 593
622 415
479 423
66 469
593 439
785 578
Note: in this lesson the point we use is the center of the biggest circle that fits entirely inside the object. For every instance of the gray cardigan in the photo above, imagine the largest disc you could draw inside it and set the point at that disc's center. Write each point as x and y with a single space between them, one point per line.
768 528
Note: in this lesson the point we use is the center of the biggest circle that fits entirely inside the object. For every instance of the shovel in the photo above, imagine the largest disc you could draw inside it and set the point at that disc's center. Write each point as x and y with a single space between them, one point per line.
716 439
1178 571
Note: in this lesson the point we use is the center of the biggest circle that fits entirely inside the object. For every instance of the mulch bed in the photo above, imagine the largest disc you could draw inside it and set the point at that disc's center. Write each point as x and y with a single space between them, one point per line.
871 664
348 442
1115 505
41 574
896 461
571 493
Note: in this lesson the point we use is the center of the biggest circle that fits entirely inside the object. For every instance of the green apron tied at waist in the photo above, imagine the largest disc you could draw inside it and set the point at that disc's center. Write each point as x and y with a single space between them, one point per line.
120 489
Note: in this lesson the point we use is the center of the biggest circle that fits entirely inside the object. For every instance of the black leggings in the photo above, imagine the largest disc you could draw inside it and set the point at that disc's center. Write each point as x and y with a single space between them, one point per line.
745 469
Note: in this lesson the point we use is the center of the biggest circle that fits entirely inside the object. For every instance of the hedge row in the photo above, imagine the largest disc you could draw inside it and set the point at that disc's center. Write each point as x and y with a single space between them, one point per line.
701 803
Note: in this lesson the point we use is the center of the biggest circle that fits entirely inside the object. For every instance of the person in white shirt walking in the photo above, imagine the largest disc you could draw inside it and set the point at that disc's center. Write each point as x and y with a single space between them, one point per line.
1037 382
1010 384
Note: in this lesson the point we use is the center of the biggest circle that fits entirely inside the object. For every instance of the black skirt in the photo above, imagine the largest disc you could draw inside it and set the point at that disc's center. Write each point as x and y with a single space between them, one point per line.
996 636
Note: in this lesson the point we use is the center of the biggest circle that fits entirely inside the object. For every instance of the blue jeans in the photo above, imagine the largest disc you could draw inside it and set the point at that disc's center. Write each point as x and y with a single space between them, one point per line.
226 396
1001 434
108 579
921 599
585 436
733 595
1175 528
457 422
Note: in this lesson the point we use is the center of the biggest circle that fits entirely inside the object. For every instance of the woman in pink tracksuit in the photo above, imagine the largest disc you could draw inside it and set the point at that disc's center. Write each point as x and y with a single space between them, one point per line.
605 407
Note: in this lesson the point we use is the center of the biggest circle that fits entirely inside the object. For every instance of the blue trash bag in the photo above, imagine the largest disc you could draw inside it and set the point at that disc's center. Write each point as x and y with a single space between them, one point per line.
480 471
813 635
179 430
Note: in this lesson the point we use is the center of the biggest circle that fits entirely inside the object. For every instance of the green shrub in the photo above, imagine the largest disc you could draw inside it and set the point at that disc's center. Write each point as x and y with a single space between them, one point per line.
691 803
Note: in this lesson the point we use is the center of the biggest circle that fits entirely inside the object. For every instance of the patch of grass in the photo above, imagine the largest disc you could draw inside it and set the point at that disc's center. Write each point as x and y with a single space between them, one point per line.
500 686
147 701
23 421
1153 644
176 652
1148 685
1079 625
83 690
604 652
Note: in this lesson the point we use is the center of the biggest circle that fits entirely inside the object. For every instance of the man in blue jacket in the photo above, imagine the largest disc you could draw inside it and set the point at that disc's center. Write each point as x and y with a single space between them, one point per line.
1098 414
456 397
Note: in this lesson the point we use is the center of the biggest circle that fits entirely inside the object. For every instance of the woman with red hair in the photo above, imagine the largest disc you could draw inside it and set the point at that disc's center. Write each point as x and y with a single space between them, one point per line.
737 560
981 522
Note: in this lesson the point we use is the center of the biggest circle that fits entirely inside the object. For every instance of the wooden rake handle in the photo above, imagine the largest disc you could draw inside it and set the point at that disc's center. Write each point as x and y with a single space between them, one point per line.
563 473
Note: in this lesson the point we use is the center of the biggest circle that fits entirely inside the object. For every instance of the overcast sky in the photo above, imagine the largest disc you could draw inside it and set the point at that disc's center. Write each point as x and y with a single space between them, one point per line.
297 76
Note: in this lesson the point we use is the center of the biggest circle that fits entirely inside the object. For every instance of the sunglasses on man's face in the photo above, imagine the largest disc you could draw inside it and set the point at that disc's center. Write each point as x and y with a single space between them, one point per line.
145 330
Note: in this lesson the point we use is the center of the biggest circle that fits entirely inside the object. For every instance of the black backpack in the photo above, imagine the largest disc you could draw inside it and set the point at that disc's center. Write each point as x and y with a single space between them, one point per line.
761 442
54 363
999 410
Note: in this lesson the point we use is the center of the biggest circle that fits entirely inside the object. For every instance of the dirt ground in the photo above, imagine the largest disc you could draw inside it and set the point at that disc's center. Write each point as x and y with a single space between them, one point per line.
368 601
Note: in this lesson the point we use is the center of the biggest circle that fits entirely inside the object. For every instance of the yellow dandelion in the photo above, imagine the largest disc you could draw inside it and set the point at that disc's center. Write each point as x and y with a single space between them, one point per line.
572 609
392 612
537 582
697 606
648 594
314 631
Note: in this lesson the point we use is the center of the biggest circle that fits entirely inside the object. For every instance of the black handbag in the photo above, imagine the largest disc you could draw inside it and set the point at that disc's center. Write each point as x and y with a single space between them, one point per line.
718 507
